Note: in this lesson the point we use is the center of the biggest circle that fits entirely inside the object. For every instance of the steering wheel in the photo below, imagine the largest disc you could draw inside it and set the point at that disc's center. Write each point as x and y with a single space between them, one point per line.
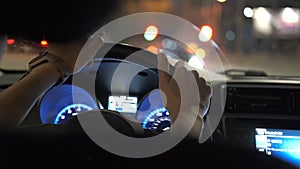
124 70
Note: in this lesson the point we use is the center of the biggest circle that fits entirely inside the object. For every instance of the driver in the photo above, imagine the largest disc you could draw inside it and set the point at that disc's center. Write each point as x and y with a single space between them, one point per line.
67 31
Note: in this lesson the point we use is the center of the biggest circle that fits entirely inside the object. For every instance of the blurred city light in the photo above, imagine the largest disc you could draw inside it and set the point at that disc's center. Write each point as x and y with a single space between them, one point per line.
262 20
152 49
206 33
196 62
168 44
289 15
10 41
151 33
238 26
200 52
230 35
44 43
248 12
191 47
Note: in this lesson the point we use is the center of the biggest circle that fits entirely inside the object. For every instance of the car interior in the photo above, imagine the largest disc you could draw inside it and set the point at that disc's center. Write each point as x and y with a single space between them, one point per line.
252 120
257 107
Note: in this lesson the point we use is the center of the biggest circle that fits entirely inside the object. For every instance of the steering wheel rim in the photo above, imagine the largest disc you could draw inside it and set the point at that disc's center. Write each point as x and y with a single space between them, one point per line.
115 53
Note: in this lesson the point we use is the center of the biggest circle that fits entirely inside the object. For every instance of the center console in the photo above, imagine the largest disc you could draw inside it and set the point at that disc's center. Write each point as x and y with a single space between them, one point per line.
263 116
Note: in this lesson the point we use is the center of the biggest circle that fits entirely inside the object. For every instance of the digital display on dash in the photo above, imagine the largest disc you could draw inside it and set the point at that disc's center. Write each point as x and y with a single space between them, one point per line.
280 143
124 104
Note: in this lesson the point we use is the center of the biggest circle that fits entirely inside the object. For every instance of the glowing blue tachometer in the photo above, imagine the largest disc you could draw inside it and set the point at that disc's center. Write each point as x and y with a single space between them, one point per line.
61 103
157 120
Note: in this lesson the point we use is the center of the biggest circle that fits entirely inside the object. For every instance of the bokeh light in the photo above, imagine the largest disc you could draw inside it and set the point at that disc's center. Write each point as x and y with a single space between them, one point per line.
262 20
289 15
10 41
248 12
152 49
168 44
151 33
200 52
230 35
196 62
191 47
206 33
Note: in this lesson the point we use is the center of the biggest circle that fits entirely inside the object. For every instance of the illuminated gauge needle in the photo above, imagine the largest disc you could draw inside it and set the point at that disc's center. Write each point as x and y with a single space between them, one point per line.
159 114
75 114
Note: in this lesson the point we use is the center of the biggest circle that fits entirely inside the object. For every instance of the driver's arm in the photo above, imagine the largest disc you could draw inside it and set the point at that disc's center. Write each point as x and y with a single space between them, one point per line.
18 99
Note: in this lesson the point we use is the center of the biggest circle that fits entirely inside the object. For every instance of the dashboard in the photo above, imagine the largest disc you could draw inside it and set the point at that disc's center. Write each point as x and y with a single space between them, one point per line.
262 114
119 84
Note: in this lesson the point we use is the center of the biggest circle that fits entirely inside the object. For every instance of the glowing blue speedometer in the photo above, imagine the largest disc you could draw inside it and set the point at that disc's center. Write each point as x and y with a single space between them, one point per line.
70 111
152 113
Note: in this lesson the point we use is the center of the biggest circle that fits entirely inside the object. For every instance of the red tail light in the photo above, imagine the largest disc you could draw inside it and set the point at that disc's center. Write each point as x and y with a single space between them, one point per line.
44 43
10 41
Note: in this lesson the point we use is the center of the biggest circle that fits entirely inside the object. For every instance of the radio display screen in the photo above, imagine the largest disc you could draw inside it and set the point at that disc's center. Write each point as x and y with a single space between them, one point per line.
280 143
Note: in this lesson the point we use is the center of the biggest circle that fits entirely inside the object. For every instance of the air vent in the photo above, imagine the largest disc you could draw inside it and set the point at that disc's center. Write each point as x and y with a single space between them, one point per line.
258 100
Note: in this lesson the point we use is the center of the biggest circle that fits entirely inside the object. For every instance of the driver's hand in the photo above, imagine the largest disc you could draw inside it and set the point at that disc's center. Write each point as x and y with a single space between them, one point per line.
171 90
77 54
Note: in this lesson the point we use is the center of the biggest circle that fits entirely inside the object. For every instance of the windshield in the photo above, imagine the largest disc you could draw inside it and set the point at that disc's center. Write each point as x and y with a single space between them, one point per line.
18 52
253 35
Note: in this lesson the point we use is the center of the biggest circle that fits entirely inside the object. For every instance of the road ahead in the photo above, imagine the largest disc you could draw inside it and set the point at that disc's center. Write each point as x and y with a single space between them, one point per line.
273 64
